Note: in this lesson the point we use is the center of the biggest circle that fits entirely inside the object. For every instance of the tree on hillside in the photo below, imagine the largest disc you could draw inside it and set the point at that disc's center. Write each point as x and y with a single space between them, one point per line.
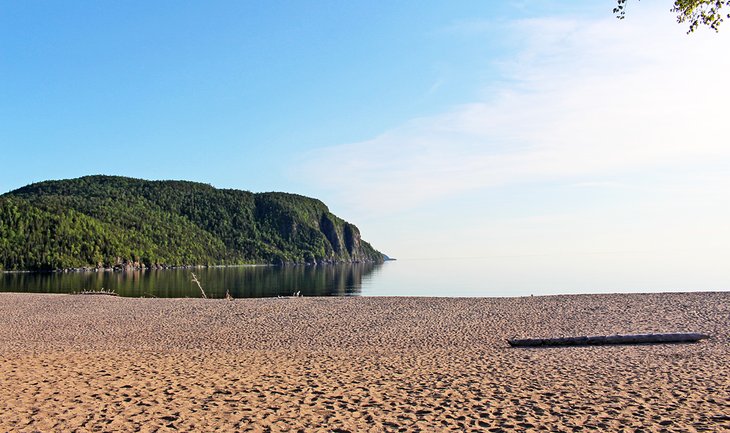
695 12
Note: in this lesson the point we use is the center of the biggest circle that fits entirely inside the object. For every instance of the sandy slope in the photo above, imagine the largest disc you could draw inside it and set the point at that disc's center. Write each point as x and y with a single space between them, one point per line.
99 363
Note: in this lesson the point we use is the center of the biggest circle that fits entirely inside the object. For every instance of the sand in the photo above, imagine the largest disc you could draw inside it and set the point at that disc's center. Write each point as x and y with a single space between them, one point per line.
100 364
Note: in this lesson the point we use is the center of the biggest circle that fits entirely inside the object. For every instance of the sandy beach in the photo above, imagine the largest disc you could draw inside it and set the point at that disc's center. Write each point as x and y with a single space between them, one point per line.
93 363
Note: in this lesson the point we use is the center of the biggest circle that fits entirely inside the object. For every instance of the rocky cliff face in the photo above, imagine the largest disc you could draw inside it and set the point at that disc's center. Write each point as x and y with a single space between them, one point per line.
328 228
345 240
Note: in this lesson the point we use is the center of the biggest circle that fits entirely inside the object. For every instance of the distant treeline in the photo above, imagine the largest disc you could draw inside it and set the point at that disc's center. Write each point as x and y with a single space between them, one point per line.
106 221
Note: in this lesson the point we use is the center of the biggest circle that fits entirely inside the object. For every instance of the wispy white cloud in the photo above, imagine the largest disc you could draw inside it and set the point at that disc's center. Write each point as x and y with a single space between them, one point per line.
580 100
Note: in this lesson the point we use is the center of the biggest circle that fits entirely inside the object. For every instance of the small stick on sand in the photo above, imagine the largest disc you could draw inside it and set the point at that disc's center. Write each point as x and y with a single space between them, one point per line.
195 280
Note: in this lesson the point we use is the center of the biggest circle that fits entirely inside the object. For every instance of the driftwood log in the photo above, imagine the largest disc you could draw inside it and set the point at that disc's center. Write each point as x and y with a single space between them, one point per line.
599 340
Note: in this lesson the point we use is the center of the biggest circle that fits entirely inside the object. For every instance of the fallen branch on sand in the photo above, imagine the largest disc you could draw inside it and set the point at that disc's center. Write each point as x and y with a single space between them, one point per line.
297 294
98 292
600 340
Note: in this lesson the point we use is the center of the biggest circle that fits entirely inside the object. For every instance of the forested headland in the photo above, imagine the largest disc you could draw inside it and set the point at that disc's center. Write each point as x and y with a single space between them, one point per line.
111 221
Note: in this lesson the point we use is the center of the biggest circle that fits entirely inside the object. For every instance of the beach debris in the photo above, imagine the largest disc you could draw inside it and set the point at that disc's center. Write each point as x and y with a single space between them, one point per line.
600 340
98 292
195 280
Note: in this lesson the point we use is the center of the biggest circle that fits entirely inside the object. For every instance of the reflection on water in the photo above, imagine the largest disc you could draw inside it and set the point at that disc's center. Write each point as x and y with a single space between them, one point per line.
492 276
242 281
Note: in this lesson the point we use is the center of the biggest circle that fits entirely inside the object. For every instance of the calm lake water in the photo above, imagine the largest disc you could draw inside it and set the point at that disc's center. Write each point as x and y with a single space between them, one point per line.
495 276
241 282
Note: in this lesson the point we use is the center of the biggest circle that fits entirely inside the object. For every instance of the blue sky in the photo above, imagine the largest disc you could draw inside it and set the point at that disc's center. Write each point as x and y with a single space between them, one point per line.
224 92
454 129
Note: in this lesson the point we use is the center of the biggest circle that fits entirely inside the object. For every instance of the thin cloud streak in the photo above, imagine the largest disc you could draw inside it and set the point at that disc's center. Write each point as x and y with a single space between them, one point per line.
581 100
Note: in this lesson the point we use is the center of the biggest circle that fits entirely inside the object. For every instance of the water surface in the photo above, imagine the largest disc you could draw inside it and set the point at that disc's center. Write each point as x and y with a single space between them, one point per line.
240 281
489 277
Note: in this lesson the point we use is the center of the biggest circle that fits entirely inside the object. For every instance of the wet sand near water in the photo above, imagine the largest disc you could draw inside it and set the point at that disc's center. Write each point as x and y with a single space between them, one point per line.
93 363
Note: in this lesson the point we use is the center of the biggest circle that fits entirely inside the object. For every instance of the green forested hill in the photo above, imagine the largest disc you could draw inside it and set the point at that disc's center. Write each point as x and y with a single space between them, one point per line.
104 221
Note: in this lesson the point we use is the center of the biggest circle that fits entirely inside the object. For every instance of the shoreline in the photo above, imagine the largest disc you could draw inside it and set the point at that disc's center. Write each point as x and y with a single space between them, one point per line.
121 268
360 363
405 297
425 297
132 268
